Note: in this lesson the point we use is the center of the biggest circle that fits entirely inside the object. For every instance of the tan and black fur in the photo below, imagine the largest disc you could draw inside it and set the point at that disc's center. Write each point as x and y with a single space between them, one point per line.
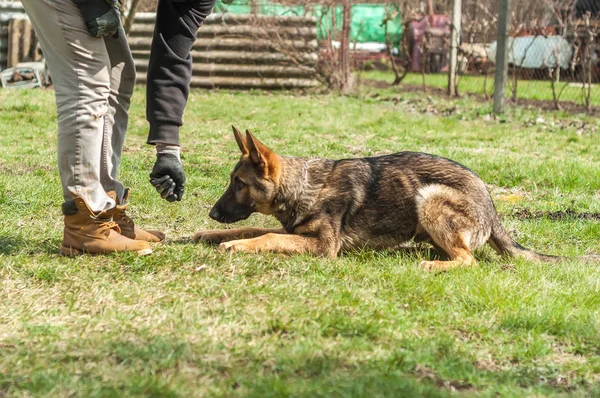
327 206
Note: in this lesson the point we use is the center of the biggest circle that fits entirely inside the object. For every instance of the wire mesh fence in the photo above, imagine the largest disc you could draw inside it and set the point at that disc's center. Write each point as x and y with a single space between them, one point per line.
553 50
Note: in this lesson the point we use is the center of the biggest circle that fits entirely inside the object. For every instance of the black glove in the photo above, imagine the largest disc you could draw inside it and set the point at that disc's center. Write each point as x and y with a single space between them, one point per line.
102 17
167 177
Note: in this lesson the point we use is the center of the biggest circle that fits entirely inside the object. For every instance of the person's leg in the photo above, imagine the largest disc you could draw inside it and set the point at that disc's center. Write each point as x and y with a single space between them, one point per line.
121 89
122 83
79 66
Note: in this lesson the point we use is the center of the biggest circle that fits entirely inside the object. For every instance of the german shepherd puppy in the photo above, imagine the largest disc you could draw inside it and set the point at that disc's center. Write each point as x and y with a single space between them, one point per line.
326 206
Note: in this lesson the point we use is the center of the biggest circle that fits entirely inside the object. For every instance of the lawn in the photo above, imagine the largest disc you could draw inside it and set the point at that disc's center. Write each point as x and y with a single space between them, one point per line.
540 90
189 321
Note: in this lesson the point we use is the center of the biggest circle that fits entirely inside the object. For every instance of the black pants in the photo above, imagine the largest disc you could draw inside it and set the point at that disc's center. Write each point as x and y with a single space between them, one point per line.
170 67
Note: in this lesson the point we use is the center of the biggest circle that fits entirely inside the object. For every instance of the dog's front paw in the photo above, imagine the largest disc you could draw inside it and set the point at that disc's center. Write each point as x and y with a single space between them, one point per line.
236 246
213 237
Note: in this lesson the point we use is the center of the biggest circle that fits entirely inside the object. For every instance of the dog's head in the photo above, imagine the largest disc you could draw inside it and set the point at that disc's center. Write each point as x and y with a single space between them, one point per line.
253 183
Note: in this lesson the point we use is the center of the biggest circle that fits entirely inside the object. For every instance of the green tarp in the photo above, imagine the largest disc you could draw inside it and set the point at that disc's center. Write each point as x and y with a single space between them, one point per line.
366 19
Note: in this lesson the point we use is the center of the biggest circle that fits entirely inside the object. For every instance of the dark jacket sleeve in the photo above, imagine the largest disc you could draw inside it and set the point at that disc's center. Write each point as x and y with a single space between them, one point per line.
170 66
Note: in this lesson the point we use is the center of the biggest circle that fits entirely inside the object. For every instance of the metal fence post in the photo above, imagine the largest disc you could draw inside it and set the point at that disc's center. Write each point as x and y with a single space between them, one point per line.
454 40
501 75
344 48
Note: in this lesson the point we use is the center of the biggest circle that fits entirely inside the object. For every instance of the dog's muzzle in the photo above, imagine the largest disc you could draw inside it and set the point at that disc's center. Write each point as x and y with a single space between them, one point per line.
216 215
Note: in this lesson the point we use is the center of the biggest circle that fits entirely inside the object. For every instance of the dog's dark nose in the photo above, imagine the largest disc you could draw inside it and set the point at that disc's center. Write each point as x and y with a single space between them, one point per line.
214 214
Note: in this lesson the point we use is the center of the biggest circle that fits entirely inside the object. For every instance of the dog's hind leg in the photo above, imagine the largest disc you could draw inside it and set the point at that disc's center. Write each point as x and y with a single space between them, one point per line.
453 224
457 250
423 237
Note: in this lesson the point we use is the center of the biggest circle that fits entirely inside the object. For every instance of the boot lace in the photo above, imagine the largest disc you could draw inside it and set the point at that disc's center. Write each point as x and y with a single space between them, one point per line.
105 224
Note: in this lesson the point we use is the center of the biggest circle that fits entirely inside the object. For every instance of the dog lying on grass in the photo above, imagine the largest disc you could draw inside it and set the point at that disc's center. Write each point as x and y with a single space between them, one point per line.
327 206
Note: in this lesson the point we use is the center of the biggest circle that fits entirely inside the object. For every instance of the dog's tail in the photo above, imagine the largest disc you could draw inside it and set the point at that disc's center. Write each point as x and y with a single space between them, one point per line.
505 245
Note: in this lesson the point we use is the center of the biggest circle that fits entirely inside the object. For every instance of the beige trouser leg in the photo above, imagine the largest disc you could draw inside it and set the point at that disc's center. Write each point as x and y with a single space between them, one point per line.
93 80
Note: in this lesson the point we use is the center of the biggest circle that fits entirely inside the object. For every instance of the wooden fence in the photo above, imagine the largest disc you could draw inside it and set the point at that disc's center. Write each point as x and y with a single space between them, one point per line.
8 12
3 44
22 45
232 51
242 51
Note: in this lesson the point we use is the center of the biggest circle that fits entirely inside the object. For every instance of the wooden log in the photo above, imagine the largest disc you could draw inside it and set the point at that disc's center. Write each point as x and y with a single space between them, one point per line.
26 39
307 33
14 36
244 82
237 19
235 57
200 69
243 43
3 45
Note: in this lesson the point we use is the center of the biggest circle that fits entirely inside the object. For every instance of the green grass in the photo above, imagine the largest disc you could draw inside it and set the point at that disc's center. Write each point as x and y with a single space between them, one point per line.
526 89
189 321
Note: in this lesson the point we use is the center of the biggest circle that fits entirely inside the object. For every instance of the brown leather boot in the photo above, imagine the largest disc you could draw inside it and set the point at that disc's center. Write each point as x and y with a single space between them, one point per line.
127 225
94 233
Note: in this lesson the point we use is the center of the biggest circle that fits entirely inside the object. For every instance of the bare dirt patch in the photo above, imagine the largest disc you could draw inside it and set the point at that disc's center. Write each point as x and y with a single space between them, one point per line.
424 372
526 214
569 107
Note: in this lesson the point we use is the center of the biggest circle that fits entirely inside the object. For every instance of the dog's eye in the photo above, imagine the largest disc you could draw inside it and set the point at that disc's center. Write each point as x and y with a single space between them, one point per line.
239 185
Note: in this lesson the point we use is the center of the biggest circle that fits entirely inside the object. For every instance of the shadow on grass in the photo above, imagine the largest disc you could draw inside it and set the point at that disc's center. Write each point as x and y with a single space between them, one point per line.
167 366
11 245
417 250
182 241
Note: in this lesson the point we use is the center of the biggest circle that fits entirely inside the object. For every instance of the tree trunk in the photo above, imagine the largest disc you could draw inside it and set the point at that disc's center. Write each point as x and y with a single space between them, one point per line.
131 16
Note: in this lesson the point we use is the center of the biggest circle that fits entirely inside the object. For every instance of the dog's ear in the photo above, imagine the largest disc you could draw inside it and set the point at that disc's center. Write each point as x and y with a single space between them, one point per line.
240 140
259 153
262 157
